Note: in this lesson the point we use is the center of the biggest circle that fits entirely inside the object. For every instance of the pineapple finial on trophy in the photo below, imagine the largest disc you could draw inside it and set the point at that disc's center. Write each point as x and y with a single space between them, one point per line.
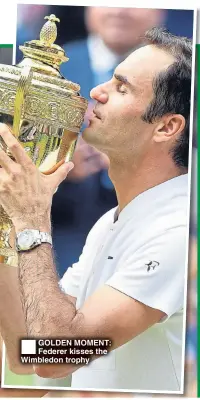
44 50
48 33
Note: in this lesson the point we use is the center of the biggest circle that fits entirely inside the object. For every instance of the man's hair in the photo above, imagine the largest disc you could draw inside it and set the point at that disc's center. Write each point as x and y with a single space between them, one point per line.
172 87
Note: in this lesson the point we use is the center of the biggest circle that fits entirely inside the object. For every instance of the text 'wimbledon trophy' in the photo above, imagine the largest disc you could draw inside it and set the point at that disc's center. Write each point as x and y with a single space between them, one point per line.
44 110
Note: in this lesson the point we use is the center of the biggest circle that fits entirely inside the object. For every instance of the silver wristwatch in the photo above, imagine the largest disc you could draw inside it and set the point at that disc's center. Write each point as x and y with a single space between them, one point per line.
30 238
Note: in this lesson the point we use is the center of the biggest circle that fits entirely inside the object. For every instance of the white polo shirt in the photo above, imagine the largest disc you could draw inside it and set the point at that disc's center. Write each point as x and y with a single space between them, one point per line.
142 254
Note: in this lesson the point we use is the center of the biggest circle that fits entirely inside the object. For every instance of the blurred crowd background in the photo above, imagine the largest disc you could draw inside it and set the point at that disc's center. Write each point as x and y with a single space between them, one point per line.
96 40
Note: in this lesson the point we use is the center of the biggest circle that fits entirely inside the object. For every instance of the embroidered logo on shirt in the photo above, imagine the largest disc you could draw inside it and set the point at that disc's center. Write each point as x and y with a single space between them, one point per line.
152 265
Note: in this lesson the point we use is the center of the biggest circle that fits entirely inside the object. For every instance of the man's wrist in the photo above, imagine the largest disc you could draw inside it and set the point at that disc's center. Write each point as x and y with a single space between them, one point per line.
42 226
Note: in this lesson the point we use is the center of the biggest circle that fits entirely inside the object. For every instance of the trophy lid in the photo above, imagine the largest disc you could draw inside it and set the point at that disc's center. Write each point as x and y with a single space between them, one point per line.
45 50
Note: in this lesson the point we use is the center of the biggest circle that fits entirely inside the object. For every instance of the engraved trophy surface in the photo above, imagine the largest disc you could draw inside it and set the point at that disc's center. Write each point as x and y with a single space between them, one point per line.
45 112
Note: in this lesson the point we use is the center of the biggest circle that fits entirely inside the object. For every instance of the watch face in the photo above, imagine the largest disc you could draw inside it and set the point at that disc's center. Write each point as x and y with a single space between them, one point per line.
25 240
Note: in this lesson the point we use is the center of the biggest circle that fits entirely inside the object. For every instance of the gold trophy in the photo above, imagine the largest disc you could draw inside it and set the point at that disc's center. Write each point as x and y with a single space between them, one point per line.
45 112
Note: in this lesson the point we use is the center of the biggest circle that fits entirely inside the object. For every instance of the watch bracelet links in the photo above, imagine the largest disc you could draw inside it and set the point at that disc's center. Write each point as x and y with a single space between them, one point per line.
46 238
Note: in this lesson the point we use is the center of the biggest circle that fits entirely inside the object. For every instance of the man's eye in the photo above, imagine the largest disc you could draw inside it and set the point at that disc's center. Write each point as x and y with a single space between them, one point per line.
121 88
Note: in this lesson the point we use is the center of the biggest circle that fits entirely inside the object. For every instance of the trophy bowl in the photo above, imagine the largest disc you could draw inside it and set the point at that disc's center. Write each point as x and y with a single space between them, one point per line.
44 110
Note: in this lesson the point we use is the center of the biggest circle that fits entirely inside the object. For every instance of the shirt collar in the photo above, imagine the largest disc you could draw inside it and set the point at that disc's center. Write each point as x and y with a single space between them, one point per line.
154 197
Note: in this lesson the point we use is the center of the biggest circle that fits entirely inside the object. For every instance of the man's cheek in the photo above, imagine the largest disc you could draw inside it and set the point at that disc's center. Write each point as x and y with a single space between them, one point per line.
132 110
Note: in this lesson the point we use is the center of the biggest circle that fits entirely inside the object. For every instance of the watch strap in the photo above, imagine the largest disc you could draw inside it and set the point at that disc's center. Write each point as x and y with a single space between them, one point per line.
45 237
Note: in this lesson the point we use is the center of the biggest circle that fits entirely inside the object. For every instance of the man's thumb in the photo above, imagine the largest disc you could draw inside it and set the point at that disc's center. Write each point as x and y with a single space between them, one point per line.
61 173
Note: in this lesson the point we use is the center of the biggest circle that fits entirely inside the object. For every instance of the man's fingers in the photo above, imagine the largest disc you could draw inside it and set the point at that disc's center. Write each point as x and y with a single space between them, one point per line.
61 173
14 146
6 162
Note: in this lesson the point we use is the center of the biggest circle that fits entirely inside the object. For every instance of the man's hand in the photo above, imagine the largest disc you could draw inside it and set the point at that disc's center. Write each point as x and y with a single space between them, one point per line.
25 193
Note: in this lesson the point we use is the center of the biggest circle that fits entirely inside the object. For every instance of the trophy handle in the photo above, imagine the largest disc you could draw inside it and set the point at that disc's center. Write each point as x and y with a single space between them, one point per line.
63 156
22 88
54 168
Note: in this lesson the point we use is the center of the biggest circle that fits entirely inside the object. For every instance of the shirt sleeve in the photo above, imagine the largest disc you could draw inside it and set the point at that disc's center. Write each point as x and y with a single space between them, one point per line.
156 274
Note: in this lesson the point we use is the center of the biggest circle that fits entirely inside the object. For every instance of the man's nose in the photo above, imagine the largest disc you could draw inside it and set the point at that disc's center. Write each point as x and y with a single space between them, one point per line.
99 94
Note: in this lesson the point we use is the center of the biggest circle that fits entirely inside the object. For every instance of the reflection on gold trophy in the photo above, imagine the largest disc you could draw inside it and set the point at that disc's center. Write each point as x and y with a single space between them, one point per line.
46 113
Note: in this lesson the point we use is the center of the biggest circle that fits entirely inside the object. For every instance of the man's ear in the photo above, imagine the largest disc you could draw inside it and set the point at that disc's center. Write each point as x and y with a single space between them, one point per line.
169 128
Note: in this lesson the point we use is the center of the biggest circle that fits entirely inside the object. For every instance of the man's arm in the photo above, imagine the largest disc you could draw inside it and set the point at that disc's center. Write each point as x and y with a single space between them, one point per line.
14 362
12 323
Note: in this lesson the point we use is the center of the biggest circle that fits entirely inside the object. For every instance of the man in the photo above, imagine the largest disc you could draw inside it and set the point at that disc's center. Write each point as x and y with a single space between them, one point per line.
129 283
88 193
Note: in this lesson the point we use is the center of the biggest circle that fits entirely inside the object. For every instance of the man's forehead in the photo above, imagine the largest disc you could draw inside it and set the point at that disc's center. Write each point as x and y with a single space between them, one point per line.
145 62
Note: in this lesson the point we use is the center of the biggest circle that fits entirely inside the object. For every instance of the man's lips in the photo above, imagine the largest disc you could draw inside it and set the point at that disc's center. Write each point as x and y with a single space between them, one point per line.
93 116
96 113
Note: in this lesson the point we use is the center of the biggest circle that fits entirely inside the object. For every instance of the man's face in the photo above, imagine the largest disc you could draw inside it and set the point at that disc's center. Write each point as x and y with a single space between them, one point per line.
116 125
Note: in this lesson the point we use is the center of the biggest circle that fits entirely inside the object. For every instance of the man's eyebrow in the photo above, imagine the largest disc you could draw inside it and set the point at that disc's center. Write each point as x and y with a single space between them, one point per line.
124 80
